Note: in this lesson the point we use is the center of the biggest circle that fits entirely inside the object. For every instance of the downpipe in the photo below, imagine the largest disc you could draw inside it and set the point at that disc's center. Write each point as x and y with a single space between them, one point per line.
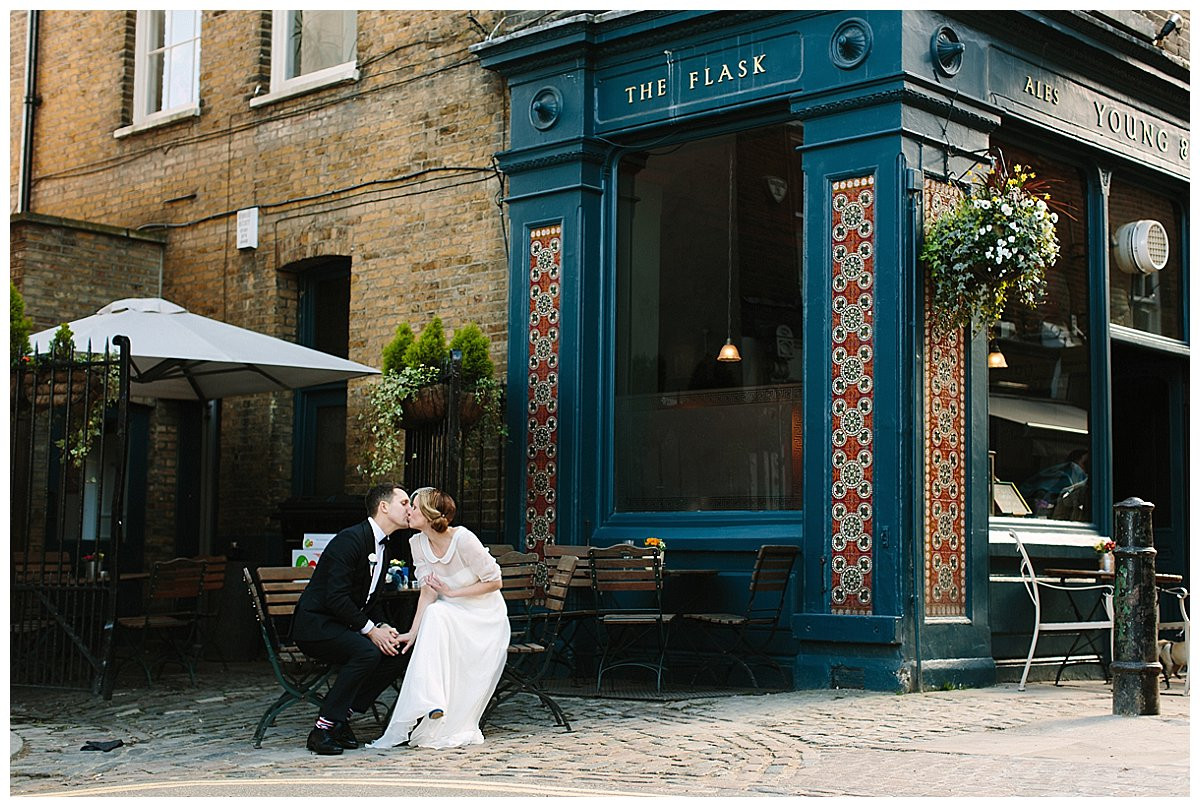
30 102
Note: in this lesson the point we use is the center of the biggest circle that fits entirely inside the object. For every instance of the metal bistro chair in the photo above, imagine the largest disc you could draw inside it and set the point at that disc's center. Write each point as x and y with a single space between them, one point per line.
622 570
170 613
1034 586
1181 632
768 584
529 650
274 598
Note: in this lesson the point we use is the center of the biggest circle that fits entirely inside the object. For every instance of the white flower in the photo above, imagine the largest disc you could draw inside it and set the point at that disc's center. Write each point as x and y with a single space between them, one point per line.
373 558
1006 209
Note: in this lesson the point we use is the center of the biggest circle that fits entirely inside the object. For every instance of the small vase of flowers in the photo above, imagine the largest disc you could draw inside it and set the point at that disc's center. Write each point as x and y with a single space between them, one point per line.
1104 550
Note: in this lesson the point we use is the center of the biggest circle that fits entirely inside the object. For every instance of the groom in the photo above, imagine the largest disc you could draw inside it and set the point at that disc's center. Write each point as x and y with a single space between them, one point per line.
339 617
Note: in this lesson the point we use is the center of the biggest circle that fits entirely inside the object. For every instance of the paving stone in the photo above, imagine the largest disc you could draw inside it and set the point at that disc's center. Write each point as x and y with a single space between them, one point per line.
994 741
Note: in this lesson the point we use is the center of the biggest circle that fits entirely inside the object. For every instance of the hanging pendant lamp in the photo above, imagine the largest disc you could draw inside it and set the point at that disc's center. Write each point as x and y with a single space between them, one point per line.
729 351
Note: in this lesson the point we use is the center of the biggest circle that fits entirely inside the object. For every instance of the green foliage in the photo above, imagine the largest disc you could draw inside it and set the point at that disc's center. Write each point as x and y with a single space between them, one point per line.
62 345
993 247
383 415
476 361
430 349
19 325
395 350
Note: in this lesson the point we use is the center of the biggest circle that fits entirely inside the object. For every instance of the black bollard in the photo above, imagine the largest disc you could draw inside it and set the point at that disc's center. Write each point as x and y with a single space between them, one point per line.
1135 667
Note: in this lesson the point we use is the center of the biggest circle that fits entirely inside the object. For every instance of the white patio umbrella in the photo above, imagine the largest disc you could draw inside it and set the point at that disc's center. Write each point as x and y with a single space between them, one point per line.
175 354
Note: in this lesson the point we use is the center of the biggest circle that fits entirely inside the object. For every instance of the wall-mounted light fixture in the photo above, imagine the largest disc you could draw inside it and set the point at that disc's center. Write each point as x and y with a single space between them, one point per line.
996 359
729 351
1173 24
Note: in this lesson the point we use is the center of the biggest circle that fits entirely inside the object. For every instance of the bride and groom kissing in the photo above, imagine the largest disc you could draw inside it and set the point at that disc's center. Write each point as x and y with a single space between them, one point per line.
458 637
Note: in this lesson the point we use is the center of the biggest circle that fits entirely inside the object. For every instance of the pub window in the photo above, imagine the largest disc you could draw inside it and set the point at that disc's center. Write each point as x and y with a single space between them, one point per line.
319 452
167 65
311 47
1039 404
1145 293
709 248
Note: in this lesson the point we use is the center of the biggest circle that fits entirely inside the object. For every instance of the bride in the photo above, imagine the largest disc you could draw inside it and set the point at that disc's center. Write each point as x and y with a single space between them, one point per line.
460 632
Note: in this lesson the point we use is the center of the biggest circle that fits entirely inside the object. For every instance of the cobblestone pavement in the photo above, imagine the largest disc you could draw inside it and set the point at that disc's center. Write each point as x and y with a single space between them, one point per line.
1048 741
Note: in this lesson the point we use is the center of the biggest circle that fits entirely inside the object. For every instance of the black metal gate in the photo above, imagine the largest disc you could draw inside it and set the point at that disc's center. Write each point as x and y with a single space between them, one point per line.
465 461
68 452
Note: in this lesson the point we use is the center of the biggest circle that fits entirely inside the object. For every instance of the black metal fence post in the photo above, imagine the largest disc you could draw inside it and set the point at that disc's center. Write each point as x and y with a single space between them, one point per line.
1135 667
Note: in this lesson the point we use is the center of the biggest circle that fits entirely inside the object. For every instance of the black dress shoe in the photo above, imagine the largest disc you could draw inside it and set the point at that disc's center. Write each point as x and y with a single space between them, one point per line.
343 736
321 741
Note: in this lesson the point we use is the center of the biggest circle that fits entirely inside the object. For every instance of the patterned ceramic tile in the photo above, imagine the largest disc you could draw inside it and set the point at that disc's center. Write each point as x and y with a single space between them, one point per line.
541 452
945 449
853 344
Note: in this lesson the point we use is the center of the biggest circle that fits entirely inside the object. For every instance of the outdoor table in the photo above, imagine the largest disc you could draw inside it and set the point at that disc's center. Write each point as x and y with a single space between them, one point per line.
1098 576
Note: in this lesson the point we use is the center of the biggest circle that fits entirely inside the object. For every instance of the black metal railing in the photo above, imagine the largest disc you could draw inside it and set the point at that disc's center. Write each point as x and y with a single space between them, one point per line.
463 456
68 452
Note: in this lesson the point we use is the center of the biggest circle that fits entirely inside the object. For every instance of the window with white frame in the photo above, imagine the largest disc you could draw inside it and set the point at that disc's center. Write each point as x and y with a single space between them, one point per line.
167 65
310 48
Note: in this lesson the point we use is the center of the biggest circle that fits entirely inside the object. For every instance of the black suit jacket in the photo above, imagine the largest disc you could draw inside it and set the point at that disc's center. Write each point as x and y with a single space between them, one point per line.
335 599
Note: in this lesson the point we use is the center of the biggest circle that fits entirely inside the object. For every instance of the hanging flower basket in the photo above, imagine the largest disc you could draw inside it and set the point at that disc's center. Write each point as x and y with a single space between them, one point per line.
992 248
426 407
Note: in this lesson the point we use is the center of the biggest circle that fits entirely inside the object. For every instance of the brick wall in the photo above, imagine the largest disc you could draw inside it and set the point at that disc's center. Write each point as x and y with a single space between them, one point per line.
369 169
68 269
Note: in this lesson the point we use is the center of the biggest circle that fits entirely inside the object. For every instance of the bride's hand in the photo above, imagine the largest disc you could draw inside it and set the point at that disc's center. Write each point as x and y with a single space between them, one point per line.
406 640
438 585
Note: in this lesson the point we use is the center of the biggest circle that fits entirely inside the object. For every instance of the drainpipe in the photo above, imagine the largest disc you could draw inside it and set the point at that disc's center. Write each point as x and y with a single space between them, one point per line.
24 178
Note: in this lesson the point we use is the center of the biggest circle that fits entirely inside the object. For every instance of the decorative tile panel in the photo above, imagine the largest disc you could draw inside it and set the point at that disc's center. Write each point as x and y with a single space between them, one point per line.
541 450
945 447
853 345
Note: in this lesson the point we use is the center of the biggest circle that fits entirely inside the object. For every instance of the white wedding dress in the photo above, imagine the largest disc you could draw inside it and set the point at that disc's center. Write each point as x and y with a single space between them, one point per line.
459 653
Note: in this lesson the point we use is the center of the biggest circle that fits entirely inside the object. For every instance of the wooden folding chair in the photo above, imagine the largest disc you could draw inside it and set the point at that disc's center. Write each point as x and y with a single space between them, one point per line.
618 571
529 651
170 614
274 595
739 638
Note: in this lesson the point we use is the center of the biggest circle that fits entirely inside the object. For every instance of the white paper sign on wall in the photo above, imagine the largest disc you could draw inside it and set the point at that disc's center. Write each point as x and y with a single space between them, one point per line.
247 228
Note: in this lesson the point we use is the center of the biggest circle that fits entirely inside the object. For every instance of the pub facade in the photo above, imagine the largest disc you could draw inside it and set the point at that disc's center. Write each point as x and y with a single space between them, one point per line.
683 183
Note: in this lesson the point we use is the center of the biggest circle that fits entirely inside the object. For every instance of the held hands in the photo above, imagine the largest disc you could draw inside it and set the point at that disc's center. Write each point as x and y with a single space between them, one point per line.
387 639
406 641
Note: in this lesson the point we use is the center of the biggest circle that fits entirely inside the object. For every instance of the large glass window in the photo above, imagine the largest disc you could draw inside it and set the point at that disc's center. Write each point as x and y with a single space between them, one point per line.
167 63
708 249
1039 393
1142 296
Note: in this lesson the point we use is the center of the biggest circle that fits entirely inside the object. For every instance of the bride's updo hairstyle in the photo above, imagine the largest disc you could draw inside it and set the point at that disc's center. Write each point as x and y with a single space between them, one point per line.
436 506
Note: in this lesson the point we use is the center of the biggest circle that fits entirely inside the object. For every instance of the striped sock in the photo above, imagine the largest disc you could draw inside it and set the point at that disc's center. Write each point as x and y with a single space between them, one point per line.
322 723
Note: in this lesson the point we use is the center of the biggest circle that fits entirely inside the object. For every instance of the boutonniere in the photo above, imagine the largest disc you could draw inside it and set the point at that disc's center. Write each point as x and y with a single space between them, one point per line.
373 558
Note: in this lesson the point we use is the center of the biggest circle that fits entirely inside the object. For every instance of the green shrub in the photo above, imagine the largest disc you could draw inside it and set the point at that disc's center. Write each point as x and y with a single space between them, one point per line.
62 345
430 349
19 325
476 362
394 351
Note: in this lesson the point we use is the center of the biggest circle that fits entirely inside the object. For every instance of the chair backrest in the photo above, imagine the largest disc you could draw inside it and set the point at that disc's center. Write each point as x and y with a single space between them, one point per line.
769 580
626 568
582 577
1028 575
214 571
497 550
517 571
558 585
280 588
29 567
176 580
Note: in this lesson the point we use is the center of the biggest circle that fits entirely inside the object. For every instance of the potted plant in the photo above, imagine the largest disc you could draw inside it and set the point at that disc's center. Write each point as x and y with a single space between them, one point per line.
993 247
412 392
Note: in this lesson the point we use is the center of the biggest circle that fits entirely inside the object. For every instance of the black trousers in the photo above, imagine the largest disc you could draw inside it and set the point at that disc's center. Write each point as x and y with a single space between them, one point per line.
365 672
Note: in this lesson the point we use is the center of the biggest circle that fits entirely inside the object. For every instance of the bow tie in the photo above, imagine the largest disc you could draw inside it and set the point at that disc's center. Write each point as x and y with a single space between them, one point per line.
383 541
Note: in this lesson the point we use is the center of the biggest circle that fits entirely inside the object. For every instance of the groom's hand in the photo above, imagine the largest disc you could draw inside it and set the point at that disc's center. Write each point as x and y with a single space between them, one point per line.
386 639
